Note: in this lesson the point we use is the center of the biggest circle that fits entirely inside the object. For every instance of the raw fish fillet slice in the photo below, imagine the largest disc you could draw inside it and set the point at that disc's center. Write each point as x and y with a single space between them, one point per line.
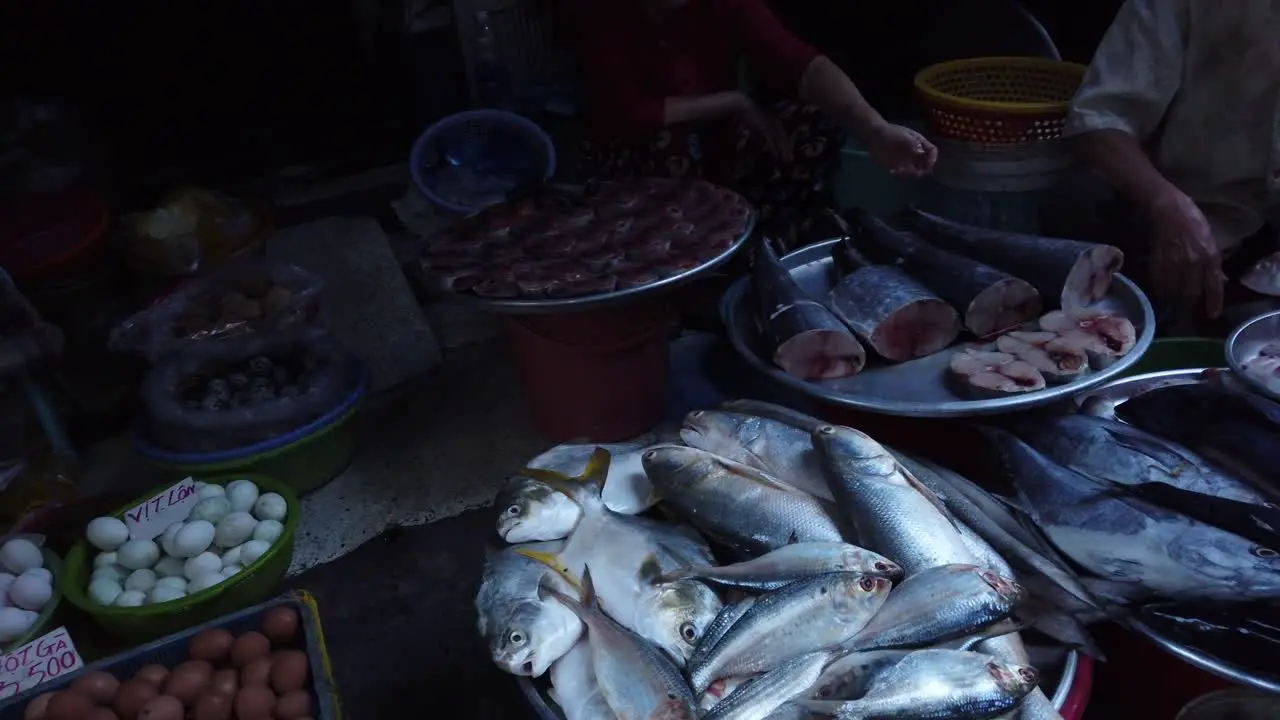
1076 273
496 288
1104 337
1057 359
894 314
805 339
983 374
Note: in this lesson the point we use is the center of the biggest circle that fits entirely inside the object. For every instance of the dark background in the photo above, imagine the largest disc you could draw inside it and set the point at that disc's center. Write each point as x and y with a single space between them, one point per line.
216 92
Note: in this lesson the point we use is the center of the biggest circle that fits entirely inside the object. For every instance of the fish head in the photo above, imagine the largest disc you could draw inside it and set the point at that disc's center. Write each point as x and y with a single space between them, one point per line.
667 464
854 558
530 510
843 446
1264 276
675 615
1008 590
534 635
1017 680
856 596
1225 557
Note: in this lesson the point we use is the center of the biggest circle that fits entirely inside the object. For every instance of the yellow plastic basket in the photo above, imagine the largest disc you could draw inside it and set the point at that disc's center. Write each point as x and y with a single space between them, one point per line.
998 100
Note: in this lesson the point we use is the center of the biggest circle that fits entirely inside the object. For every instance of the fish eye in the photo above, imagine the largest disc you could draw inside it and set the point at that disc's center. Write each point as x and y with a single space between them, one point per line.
1263 552
688 632
516 637
513 510
651 455
1028 675
867 584
824 691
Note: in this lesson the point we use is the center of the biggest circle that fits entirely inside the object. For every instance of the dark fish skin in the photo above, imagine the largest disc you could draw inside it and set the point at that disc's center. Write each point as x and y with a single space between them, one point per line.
891 311
1245 635
1073 273
804 338
990 300
1259 523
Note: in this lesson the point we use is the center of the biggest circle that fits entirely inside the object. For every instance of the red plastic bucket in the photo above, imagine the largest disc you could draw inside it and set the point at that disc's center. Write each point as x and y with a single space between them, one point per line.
1141 663
594 376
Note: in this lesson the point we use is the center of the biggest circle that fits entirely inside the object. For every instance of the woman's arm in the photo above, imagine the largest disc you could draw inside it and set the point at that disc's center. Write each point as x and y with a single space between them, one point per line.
677 110
825 85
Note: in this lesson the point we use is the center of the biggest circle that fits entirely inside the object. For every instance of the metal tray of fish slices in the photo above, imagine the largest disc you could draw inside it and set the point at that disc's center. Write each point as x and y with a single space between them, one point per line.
1057 682
917 388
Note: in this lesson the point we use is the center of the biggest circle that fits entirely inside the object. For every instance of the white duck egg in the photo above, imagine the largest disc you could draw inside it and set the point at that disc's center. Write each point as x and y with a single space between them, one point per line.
30 592
143 580
107 533
202 564
271 506
114 573
106 559
104 591
6 579
20 555
242 494
138 554
173 582
168 536
169 567
45 573
211 510
194 538
230 570
253 550
163 594
15 622
204 492
232 556
268 531
234 529
204 582
131 598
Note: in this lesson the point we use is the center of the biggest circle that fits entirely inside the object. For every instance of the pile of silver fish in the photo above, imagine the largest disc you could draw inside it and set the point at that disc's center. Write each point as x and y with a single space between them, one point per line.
849 580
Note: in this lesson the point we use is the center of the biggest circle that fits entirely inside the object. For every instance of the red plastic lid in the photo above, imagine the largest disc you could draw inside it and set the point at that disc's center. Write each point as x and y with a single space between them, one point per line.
40 232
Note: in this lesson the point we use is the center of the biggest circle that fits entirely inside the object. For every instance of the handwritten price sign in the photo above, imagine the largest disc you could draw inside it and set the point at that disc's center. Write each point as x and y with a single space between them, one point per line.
47 657
147 520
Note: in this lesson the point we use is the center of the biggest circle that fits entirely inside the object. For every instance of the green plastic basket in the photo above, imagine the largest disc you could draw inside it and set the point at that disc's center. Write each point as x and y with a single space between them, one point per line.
252 585
54 564
1180 354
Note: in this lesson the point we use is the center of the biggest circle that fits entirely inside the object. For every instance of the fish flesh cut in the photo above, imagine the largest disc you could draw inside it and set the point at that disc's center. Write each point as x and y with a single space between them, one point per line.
802 335
985 374
989 300
1104 336
1058 360
1074 273
891 311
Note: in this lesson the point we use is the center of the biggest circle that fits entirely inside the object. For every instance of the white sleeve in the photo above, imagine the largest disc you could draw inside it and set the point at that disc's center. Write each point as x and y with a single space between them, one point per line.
1136 71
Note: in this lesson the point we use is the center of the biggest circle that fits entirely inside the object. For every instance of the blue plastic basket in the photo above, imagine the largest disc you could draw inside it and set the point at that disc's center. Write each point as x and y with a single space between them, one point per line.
471 160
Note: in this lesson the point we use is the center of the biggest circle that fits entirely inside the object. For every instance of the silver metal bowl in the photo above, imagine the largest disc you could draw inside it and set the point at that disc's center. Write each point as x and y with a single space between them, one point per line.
1246 341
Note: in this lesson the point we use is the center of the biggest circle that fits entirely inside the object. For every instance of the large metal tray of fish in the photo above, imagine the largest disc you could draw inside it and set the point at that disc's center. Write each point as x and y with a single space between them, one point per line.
565 252
1212 638
922 387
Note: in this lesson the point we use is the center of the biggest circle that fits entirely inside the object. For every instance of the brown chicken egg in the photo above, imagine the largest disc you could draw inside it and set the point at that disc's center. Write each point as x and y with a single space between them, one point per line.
257 672
281 625
249 647
164 707
289 671
68 705
37 708
98 685
101 713
225 681
255 703
211 645
189 680
133 696
294 705
213 706
154 674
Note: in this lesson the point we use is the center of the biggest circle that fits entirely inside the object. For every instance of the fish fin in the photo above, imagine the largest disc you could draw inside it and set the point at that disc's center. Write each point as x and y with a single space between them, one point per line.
773 411
650 570
582 489
588 590
928 494
552 561
757 475
1117 592
1130 437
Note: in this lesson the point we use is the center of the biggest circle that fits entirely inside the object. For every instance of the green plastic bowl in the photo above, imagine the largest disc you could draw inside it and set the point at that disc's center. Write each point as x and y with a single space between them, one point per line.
1180 354
250 586
54 564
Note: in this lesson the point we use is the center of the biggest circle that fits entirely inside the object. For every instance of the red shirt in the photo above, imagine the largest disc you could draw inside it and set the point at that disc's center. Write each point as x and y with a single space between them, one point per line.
631 64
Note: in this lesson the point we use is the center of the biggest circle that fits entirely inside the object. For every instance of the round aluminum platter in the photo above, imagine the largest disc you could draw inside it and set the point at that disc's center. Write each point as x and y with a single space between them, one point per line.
917 388
1245 342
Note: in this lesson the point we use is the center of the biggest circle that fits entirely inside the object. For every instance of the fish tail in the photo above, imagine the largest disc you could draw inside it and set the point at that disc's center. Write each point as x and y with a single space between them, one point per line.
583 489
552 561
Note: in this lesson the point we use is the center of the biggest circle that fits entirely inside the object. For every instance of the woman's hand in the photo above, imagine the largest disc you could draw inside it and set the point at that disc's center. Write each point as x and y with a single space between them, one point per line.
902 151
767 126
1186 265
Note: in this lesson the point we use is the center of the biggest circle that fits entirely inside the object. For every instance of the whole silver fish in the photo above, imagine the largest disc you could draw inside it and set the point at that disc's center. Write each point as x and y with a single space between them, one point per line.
525 632
530 510
794 562
1140 548
937 605
758 699
636 679
794 620
777 448
728 615
939 684
574 686
896 516
736 505
850 676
